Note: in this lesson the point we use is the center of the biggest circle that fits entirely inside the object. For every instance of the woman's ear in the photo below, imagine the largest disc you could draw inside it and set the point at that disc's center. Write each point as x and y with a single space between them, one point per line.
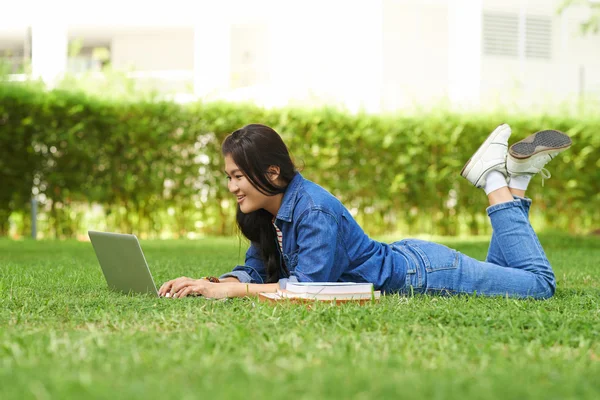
273 173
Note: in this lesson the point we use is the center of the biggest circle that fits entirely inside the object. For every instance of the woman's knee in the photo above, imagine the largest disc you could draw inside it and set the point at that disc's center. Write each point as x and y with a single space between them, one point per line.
547 288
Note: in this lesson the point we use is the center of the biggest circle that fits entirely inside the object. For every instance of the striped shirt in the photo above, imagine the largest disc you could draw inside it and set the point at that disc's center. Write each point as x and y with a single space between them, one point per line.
279 236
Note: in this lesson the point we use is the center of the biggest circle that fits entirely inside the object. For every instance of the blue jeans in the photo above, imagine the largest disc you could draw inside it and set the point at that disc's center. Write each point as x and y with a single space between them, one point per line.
516 265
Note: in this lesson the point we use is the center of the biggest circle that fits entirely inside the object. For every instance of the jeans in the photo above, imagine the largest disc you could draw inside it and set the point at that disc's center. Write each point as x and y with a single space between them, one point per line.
516 265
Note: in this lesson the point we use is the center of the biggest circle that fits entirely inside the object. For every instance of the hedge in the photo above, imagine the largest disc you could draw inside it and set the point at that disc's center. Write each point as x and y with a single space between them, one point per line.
155 166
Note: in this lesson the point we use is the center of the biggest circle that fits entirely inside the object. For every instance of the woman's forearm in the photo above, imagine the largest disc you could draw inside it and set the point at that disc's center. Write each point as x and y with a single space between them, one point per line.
250 289
230 279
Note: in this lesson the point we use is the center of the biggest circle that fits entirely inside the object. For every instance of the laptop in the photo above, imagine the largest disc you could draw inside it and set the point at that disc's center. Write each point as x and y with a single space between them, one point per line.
123 262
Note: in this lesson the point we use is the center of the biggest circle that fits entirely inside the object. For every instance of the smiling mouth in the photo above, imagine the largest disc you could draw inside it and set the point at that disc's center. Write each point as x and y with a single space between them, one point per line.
240 198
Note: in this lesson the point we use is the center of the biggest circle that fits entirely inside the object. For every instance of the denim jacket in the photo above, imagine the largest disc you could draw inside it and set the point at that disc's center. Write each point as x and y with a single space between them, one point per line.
323 243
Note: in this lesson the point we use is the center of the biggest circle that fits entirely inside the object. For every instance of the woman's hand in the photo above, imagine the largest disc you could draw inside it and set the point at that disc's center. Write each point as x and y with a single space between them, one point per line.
182 287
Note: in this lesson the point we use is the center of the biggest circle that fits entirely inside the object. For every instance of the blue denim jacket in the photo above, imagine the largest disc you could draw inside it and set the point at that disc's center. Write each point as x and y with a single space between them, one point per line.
323 243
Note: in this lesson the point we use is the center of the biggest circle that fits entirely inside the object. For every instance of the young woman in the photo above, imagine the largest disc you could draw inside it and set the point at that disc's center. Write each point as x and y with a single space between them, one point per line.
300 232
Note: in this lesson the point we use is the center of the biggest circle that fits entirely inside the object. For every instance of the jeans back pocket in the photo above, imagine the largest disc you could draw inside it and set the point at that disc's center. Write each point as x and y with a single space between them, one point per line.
435 256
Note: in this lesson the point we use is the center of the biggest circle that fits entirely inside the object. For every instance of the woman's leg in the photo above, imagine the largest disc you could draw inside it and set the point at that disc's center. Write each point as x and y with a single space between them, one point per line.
494 254
516 238
527 272
490 159
524 159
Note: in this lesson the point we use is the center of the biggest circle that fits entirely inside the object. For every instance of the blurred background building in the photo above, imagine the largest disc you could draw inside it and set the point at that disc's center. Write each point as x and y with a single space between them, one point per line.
377 55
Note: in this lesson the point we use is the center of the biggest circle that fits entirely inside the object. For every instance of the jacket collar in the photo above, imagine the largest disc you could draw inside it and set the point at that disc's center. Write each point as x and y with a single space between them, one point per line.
289 198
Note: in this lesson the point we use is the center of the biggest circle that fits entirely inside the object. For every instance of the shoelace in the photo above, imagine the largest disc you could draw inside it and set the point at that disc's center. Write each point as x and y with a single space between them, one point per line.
545 175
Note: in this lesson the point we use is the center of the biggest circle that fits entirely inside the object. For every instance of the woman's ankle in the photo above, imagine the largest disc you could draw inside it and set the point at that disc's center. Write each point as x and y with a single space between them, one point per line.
517 192
502 195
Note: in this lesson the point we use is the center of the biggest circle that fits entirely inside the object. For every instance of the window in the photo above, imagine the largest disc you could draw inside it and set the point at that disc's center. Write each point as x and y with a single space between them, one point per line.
502 36
538 37
13 61
84 58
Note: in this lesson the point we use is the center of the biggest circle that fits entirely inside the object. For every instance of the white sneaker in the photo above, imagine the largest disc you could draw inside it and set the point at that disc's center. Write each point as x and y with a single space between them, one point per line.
529 156
491 156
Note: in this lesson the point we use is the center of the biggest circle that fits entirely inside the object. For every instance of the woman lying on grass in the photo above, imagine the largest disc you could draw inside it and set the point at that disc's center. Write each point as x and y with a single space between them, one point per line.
300 232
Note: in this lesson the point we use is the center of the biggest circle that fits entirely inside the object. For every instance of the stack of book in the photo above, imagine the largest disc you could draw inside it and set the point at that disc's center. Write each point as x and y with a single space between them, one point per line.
338 292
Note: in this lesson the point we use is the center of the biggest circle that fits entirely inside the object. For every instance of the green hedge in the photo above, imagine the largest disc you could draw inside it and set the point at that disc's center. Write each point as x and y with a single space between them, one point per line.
156 166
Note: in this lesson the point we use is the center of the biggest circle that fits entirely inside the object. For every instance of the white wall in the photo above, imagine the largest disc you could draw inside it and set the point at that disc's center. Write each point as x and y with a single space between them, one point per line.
415 53
328 50
157 49
513 81
423 66
374 54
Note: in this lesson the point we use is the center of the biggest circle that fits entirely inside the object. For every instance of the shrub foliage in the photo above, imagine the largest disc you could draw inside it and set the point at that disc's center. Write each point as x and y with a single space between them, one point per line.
155 166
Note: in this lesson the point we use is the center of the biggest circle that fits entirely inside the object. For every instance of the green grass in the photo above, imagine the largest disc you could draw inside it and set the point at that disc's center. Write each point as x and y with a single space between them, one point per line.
64 335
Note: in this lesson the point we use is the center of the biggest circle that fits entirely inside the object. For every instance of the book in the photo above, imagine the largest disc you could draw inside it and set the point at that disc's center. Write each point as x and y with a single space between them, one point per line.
310 298
328 296
329 287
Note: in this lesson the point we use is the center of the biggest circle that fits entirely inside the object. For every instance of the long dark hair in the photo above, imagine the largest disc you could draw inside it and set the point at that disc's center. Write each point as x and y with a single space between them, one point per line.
254 148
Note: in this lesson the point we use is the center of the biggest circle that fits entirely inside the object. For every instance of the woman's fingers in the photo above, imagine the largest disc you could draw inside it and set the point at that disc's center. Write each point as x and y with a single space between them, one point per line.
184 292
166 288
182 287
177 286
192 286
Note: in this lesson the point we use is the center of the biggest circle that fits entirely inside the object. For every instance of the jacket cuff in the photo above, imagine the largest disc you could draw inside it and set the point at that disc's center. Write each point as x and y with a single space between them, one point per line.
242 276
284 281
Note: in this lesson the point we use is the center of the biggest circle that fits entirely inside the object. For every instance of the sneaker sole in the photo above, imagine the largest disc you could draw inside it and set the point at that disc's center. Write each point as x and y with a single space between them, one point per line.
540 142
473 160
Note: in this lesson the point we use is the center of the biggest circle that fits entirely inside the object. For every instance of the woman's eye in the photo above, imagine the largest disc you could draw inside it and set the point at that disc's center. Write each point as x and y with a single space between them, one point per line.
239 176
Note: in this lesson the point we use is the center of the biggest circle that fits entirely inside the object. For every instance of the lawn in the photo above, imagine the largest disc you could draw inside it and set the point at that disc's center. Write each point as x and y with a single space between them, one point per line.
64 335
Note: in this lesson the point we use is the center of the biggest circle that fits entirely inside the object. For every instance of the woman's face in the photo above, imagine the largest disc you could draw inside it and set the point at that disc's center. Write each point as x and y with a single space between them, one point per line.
248 197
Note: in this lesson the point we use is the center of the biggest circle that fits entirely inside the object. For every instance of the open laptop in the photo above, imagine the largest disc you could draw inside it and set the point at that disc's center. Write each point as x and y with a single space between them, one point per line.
123 262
